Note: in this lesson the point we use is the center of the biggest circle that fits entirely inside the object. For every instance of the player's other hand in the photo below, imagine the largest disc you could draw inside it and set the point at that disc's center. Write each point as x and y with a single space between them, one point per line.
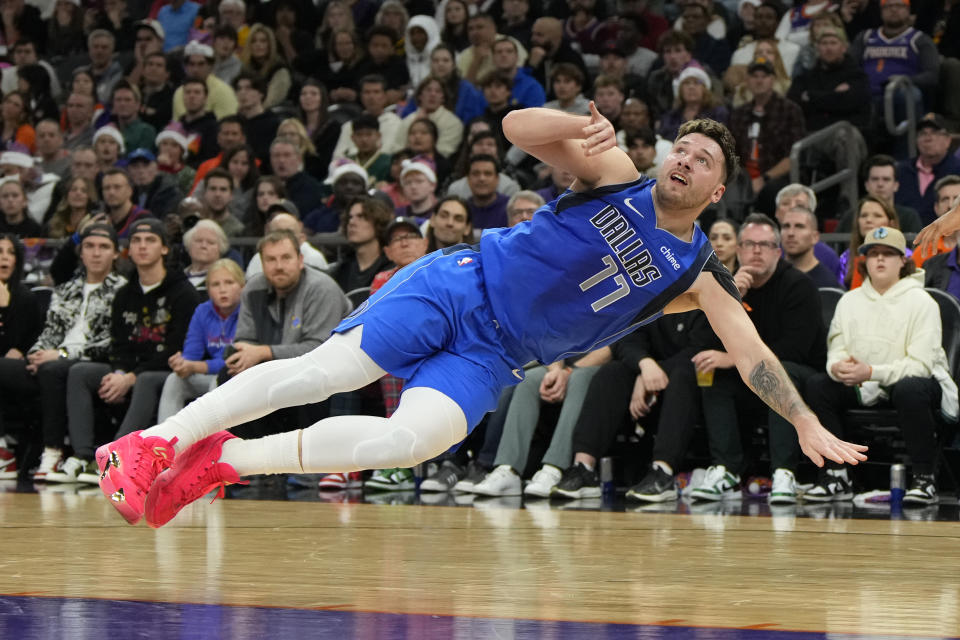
599 135
818 443
928 238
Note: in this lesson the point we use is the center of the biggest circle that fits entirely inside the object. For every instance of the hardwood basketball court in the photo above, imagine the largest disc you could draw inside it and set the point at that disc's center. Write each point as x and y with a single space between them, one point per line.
72 568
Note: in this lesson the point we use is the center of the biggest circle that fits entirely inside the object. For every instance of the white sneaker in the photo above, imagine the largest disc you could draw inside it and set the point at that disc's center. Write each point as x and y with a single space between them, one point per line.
69 471
718 484
784 489
50 461
502 481
543 481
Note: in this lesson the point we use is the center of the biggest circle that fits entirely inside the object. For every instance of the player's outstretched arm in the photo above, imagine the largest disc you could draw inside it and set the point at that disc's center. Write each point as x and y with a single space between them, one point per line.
945 225
586 146
763 373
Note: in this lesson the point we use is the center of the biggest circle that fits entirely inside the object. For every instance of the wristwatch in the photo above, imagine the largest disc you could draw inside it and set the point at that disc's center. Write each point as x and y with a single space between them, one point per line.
63 353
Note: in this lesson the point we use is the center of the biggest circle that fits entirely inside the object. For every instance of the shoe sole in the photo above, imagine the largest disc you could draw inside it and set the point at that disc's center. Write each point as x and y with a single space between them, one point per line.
714 497
782 499
390 487
666 496
497 494
921 502
838 497
117 497
537 493
434 487
588 492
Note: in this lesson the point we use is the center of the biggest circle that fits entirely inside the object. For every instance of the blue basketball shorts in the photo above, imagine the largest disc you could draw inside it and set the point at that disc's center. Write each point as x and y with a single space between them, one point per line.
431 324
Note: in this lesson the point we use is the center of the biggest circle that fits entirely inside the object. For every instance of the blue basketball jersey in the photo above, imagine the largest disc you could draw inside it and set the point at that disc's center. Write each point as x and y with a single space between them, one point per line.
589 268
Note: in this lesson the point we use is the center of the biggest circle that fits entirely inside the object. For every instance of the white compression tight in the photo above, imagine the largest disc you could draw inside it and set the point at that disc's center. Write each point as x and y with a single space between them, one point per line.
426 423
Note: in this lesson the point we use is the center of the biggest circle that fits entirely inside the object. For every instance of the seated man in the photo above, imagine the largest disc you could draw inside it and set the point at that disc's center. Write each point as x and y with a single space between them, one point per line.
784 306
884 347
284 291
451 225
560 382
284 215
364 226
418 180
77 328
800 236
488 207
217 194
650 378
149 322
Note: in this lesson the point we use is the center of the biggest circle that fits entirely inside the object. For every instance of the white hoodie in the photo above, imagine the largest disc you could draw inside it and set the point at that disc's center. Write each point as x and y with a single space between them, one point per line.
418 62
898 334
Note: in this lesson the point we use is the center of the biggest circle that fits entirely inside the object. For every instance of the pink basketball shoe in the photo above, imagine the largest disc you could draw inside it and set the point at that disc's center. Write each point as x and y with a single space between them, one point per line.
128 467
197 471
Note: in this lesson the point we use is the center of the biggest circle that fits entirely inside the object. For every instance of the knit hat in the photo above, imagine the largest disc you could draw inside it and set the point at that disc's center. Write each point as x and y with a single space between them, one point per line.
113 132
17 159
176 133
343 167
423 164
691 72
884 236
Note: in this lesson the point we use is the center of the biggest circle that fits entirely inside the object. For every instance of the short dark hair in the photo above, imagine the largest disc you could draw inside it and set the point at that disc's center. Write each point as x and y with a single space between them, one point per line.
719 133
203 84
675 38
483 157
24 41
125 85
231 119
117 171
775 6
226 31
255 81
366 121
373 78
496 77
880 160
381 30
482 16
161 55
217 172
567 70
643 134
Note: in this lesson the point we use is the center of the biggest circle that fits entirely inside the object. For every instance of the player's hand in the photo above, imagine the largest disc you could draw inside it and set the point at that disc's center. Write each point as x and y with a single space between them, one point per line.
946 225
817 443
599 135
638 400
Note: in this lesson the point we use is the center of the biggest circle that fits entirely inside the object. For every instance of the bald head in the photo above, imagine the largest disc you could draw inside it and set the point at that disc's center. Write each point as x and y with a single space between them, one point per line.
288 222
547 32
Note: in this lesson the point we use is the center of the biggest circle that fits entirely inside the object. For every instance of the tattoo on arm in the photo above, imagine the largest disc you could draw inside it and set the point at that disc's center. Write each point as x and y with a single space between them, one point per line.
772 384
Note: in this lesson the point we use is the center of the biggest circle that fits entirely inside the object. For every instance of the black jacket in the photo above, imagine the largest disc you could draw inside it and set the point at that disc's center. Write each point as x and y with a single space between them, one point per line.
260 130
205 128
786 313
148 328
936 273
680 334
815 92
20 321
160 197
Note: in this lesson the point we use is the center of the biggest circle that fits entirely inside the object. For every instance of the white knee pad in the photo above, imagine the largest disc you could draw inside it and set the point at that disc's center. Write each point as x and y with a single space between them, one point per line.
392 449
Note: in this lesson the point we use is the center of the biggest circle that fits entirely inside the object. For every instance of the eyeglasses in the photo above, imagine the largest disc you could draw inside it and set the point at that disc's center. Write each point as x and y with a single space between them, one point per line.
403 237
750 245
516 213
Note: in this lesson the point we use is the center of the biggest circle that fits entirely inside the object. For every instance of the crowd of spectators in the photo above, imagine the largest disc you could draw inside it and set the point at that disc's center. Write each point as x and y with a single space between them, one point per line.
220 182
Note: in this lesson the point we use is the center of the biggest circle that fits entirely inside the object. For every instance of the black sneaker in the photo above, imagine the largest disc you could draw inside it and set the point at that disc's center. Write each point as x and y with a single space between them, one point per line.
475 474
448 475
656 486
829 488
922 491
577 482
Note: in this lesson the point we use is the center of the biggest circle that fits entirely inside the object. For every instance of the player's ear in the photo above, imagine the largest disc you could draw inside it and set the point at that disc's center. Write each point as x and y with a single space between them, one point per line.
718 193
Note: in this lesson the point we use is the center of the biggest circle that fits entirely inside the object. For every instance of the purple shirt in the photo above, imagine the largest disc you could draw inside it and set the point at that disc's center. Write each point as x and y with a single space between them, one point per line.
953 285
490 216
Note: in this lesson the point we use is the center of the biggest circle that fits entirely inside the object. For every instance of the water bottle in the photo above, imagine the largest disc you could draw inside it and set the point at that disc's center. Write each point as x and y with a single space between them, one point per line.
606 477
418 474
898 485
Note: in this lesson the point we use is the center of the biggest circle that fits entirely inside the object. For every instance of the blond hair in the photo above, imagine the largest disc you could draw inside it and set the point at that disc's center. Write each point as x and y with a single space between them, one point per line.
230 267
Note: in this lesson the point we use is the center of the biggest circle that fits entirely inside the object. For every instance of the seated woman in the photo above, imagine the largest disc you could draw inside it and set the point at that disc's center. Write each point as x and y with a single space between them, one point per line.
884 347
205 243
13 205
79 201
431 97
693 99
871 213
21 321
211 331
261 57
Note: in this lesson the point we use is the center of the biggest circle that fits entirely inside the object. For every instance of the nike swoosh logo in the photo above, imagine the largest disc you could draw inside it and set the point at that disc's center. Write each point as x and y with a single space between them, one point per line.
627 202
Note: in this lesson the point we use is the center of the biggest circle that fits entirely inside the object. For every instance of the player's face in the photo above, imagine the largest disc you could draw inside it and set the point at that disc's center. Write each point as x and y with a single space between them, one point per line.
692 174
